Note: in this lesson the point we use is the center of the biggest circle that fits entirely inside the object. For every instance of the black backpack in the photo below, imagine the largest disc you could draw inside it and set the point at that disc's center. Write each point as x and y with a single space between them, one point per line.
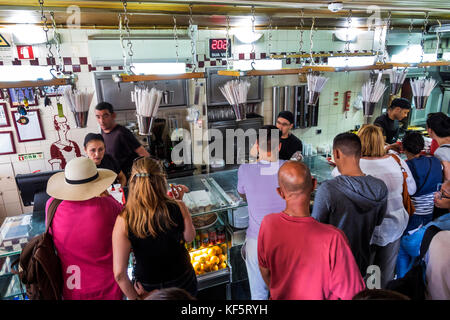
40 266
413 283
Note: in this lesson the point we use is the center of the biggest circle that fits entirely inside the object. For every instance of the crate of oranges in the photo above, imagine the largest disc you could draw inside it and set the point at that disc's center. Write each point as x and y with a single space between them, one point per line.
209 259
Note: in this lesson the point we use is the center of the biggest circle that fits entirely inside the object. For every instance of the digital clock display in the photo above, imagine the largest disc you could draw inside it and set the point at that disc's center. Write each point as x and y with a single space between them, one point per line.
219 48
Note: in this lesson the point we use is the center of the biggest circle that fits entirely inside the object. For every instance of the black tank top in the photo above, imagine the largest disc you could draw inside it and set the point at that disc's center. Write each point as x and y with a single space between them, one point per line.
165 257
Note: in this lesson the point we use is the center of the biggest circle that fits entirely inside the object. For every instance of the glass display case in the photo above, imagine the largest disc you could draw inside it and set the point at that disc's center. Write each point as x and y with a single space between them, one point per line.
10 285
210 199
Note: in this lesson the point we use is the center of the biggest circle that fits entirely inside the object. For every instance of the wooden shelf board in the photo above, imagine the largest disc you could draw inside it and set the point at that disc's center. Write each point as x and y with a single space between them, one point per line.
35 83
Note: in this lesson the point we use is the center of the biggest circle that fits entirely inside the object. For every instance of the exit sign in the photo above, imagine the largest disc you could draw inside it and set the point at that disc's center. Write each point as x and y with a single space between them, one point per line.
25 52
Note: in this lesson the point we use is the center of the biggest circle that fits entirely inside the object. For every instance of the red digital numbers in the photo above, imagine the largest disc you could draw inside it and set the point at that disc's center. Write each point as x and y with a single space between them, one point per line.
219 44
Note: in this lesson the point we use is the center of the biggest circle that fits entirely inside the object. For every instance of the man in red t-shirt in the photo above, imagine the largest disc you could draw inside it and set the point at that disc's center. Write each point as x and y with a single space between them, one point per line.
299 257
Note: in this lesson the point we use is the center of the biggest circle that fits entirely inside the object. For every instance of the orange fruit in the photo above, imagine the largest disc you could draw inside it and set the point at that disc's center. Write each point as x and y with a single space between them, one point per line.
223 265
218 250
211 252
208 266
222 257
223 246
196 266
214 260
202 259
215 267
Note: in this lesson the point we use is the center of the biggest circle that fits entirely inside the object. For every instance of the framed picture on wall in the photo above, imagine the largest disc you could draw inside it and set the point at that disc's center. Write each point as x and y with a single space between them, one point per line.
4 119
53 91
32 130
7 143
16 97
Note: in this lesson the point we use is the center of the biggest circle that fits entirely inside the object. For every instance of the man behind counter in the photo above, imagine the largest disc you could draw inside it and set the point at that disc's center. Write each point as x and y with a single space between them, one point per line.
120 143
289 142
388 121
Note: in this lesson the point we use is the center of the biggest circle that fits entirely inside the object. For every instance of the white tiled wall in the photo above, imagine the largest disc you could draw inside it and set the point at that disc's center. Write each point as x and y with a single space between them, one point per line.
332 119
10 202
75 44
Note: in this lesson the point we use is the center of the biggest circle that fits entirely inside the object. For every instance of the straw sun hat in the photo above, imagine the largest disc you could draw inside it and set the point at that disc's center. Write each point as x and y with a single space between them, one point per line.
81 180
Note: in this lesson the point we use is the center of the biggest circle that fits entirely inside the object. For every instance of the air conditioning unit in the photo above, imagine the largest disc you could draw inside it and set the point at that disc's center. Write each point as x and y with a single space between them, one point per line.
105 50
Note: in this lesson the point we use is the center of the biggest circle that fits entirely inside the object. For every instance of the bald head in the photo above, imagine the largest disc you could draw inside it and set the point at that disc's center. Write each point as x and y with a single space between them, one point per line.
295 177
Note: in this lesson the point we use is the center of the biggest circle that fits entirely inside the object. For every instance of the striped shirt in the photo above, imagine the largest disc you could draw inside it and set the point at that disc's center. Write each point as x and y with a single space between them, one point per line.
423 204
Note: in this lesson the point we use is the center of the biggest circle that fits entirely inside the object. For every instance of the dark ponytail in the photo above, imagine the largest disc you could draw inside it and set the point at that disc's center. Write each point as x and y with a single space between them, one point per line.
439 122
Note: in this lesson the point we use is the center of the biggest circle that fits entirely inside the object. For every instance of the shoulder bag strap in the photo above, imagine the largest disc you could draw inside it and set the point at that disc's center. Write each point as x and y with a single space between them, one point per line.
51 212
426 241
397 159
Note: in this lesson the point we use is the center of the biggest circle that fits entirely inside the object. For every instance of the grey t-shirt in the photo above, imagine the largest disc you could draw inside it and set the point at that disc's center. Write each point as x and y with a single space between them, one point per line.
355 205
443 152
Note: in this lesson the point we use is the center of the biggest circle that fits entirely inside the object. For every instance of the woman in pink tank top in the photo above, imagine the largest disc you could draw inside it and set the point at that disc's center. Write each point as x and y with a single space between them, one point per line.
82 230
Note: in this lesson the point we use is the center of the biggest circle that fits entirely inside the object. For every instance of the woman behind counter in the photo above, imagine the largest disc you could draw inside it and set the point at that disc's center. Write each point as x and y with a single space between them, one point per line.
156 228
94 146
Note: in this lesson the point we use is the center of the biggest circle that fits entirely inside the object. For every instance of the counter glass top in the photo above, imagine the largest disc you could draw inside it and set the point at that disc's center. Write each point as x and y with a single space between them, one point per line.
211 192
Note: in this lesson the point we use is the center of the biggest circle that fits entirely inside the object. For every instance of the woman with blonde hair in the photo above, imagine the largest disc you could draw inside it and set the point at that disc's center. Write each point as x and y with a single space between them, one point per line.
379 164
156 228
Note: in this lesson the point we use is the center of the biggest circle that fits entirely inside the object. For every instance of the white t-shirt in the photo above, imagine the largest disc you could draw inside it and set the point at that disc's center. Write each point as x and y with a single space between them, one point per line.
443 152
396 218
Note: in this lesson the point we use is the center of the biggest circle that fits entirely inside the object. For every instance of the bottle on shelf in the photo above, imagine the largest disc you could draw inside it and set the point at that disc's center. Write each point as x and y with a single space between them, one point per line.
197 241
212 234
220 235
204 236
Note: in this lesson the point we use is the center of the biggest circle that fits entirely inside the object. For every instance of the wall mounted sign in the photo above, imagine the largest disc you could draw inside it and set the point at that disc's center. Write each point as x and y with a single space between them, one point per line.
6 49
219 48
25 52
4 119
31 131
30 156
7 143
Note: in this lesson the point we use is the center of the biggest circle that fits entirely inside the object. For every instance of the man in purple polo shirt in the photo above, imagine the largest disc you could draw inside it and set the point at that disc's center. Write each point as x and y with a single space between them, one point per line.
257 183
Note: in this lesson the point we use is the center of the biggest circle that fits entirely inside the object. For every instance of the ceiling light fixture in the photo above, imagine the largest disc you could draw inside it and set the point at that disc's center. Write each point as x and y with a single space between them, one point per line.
245 35
27 34
335 6
342 34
